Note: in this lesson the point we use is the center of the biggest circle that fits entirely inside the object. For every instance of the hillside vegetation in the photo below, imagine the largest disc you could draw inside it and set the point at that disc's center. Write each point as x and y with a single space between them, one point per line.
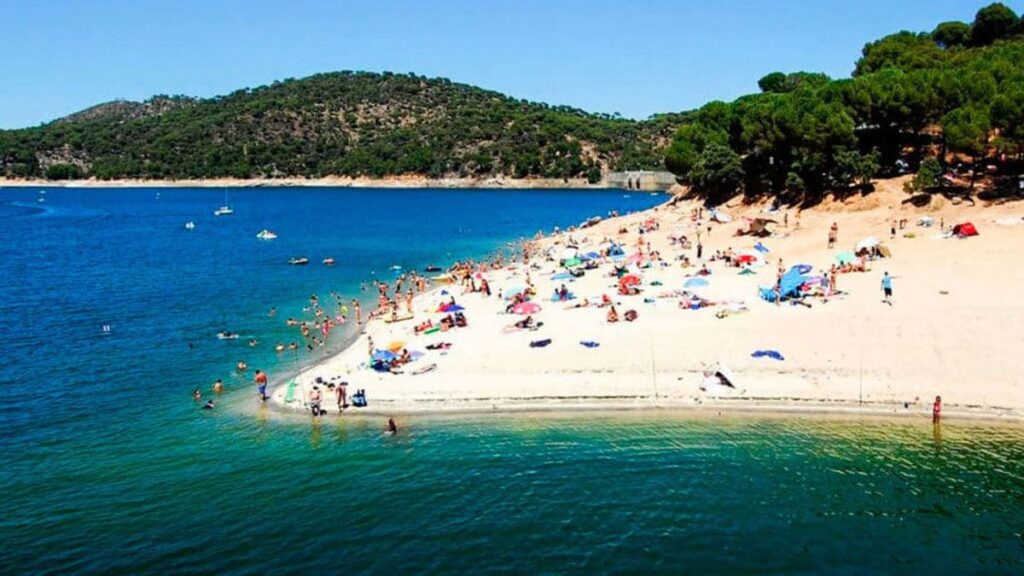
347 124
939 100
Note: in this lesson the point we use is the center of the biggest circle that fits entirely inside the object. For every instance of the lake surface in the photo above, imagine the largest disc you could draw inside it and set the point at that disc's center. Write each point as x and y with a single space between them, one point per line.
110 466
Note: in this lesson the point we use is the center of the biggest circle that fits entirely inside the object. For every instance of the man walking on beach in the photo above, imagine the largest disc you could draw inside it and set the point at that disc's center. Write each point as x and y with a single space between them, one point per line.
261 384
887 288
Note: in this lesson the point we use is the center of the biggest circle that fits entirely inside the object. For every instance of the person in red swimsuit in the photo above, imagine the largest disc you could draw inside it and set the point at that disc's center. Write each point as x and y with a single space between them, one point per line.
937 410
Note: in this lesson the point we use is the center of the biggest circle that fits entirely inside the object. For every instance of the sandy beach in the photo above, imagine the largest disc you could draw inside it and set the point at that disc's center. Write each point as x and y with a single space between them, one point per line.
954 328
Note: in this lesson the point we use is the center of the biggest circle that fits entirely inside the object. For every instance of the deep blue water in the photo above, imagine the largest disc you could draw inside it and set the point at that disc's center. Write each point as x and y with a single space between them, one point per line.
109 465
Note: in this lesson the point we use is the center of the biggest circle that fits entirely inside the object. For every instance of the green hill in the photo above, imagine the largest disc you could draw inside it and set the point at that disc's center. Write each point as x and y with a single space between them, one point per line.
347 123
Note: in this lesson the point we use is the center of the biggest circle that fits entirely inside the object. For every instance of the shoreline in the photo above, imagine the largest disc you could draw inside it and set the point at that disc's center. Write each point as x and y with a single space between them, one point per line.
398 182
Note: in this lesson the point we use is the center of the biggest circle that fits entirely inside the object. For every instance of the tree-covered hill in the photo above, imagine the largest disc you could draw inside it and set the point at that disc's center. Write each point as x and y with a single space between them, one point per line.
942 99
347 124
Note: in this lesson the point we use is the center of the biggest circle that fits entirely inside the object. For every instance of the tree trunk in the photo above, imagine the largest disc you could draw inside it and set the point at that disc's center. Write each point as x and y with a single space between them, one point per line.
974 174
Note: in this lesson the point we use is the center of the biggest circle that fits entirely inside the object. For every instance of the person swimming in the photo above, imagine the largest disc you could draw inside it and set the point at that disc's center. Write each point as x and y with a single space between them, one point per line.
197 395
208 405
392 427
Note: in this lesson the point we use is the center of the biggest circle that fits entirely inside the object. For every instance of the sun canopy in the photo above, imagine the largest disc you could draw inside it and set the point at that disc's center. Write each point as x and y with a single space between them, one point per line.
867 243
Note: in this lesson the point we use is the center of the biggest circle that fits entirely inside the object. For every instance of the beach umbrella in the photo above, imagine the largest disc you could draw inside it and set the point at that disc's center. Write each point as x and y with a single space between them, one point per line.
513 290
590 256
867 243
396 345
451 308
385 355
695 282
746 259
573 262
630 280
635 258
524 308
845 257
562 276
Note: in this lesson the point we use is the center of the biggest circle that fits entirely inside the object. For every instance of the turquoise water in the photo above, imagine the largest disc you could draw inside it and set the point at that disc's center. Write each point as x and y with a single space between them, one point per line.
110 466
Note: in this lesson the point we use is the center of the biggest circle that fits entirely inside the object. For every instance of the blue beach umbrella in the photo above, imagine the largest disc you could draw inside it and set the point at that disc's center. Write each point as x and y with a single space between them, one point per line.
513 290
562 276
696 282
385 355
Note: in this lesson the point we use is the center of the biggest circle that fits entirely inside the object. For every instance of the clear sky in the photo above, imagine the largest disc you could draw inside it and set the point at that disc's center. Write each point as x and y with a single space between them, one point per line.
635 57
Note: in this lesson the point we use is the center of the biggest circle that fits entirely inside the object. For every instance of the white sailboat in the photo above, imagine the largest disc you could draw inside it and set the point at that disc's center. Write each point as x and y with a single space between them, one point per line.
226 209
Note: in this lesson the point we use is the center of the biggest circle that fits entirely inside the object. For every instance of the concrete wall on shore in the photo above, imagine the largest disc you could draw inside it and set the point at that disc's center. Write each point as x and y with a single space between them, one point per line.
640 180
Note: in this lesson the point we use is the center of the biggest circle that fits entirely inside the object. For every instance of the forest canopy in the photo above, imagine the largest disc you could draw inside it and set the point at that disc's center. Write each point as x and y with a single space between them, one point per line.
953 94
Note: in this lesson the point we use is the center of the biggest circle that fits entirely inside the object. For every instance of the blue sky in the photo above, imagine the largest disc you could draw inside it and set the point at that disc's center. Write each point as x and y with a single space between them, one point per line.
635 57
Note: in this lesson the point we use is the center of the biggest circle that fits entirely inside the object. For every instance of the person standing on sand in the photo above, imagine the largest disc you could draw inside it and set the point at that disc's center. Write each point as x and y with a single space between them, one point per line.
358 312
833 235
261 384
700 250
937 410
832 280
408 301
341 391
887 288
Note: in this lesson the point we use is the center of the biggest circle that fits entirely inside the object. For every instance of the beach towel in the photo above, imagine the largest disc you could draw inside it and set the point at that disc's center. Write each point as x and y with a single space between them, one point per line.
289 395
589 344
540 343
773 354
425 369
761 248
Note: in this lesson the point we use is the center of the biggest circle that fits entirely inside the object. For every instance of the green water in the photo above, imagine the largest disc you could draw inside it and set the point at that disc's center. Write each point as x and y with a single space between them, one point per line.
633 492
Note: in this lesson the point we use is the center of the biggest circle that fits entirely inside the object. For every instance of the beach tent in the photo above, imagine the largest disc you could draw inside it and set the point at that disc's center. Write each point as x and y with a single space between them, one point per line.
867 243
964 230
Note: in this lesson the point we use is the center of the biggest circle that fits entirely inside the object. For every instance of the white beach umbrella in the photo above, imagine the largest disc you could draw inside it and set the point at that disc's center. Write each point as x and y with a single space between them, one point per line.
867 243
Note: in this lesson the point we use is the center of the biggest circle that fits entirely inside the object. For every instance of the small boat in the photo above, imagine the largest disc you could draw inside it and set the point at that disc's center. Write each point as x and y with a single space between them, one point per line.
190 225
329 261
225 209
266 235
298 261
432 269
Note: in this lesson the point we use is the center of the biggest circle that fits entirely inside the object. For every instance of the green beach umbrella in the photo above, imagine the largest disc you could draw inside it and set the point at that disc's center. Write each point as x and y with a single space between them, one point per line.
573 262
845 257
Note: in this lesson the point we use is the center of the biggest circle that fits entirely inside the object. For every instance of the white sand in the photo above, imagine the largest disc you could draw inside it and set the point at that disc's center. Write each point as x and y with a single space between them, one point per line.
853 352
